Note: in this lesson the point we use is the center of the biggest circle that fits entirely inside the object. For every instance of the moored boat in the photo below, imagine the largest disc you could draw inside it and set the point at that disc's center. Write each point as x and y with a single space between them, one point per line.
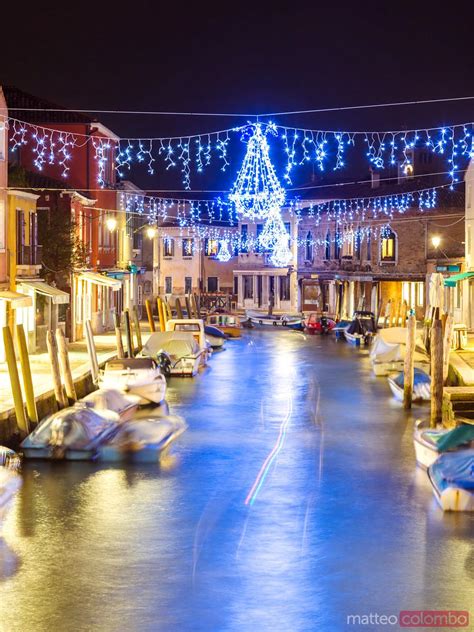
430 443
112 403
315 324
215 336
180 348
75 433
279 320
137 376
452 478
388 352
362 329
421 386
142 440
195 327
228 323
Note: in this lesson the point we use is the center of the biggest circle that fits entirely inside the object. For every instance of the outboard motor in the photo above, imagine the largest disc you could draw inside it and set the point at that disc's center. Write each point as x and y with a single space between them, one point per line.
163 360
324 325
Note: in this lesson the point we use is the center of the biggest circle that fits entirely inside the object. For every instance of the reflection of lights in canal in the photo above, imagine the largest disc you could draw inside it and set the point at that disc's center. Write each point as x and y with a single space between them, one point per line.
261 476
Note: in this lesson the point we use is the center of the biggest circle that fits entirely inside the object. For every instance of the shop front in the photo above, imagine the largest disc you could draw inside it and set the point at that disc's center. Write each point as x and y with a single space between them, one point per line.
11 303
94 300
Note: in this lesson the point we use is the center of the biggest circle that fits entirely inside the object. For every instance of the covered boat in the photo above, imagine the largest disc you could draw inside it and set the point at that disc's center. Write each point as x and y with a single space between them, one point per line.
143 440
180 347
228 323
215 336
421 386
315 324
388 352
279 320
115 405
431 442
362 328
452 478
136 376
74 433
194 326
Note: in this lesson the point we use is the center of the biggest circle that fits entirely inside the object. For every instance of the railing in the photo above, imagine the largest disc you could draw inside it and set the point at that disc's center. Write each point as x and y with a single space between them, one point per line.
210 302
29 255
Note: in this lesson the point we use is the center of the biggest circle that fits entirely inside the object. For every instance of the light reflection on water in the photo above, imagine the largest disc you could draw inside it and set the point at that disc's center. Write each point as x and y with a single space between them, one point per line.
343 522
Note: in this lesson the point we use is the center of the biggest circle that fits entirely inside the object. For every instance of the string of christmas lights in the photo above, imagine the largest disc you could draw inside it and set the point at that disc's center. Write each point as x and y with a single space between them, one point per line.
328 149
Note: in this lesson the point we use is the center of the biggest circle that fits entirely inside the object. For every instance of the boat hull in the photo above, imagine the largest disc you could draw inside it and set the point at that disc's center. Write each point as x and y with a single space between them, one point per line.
452 479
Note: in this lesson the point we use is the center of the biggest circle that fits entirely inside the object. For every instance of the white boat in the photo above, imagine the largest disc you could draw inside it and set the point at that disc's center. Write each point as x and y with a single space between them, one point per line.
195 327
215 336
388 352
10 483
114 404
452 478
361 330
421 386
135 376
143 440
275 320
430 443
179 348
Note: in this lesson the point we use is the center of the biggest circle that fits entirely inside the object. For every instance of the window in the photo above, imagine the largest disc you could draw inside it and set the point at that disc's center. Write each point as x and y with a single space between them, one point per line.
236 285
347 243
168 285
168 247
388 247
327 249
212 284
369 246
248 286
258 248
244 234
188 285
284 288
211 247
309 247
337 244
188 247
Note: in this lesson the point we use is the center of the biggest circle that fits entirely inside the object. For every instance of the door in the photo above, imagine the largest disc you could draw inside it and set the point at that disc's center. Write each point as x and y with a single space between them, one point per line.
259 289
212 285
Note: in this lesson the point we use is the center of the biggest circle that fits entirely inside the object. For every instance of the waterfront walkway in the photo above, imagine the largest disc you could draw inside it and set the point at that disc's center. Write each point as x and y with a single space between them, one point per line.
291 502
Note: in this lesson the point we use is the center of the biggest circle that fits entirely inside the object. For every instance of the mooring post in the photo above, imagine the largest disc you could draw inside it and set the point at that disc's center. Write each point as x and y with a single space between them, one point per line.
65 366
436 373
149 313
136 322
26 372
179 311
188 306
92 352
448 336
118 336
196 305
161 314
21 419
409 365
55 372
128 334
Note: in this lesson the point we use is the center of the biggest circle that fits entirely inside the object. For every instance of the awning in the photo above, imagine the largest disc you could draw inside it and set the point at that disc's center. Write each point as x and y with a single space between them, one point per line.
16 299
101 279
58 297
455 278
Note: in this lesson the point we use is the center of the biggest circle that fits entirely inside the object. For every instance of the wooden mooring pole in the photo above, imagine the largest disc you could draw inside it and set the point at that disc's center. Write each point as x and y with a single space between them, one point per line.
136 322
26 372
161 314
55 372
65 366
448 336
92 351
409 365
436 348
128 334
21 419
118 336
196 305
188 306
179 311
149 313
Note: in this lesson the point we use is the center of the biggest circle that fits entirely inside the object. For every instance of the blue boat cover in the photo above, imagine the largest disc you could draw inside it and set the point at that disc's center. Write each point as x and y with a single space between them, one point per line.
420 378
214 331
456 468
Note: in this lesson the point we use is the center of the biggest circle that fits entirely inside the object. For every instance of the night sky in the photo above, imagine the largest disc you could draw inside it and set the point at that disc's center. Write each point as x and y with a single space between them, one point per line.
250 58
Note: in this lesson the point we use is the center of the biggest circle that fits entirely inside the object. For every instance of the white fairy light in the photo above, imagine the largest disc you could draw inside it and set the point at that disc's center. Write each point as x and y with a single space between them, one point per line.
223 254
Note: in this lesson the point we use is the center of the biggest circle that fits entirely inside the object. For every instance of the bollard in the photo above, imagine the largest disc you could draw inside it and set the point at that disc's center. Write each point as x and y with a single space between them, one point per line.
91 350
26 372
179 311
149 313
55 373
128 334
21 419
65 366
136 322
409 365
118 336
161 314
436 373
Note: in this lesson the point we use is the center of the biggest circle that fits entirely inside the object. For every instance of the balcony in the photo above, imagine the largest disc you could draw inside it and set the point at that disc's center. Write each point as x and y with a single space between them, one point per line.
28 261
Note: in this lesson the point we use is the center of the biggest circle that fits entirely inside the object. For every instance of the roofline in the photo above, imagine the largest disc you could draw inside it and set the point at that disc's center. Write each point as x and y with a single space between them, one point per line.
102 129
23 194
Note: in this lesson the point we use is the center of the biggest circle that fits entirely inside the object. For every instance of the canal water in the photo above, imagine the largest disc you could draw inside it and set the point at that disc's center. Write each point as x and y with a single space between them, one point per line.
291 503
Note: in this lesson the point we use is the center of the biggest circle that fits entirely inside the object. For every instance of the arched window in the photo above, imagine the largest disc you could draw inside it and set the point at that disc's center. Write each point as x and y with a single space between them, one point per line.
327 252
337 243
309 247
388 246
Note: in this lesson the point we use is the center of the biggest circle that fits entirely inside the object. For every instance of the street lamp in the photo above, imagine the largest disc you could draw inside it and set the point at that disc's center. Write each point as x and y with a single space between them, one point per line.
436 241
111 224
151 232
